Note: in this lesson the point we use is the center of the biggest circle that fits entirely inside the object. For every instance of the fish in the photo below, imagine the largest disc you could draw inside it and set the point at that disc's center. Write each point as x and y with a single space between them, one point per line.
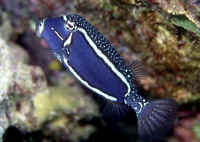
93 60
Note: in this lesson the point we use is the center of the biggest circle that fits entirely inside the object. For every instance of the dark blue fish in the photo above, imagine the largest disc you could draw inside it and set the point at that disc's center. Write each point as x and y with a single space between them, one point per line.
95 63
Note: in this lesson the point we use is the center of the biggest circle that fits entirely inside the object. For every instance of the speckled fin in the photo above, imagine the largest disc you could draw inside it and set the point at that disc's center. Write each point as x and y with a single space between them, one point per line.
114 111
138 70
156 119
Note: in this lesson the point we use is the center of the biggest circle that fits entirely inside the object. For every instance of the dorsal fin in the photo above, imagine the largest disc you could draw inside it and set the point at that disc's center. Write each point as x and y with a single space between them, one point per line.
133 62
138 70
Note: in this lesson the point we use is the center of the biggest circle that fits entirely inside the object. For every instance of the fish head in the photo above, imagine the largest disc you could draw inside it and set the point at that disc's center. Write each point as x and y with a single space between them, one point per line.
57 31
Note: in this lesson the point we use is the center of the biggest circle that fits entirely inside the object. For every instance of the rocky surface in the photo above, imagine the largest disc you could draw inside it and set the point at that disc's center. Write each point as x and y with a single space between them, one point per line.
166 43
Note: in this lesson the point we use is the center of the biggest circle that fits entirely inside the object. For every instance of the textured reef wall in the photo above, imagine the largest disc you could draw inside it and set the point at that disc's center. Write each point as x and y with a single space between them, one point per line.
164 35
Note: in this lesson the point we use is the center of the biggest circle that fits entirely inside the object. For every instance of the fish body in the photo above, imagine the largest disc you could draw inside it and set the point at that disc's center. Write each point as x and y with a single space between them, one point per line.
92 59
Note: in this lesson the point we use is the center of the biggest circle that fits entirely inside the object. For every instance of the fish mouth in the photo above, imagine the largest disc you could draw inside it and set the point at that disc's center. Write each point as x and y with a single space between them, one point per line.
40 27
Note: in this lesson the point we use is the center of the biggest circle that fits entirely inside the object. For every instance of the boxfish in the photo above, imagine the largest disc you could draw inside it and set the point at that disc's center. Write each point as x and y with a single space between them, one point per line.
93 60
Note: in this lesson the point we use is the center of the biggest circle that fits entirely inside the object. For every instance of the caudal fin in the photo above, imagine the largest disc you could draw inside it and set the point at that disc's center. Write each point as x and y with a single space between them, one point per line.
156 119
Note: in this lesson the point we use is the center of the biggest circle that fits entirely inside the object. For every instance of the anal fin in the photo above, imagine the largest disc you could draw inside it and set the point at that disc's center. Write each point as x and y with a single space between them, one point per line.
114 111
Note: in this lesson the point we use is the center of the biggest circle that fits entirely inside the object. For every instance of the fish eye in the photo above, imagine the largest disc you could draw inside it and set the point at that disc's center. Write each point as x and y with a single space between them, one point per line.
70 26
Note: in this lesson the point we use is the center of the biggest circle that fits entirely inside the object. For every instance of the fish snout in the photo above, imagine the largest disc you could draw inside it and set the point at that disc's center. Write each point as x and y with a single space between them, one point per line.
40 27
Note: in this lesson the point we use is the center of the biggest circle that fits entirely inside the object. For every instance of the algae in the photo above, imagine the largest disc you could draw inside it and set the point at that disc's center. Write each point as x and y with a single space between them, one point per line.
185 23
58 100
196 130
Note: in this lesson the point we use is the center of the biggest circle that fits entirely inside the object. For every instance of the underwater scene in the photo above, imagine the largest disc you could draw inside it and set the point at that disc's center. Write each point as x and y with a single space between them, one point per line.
100 70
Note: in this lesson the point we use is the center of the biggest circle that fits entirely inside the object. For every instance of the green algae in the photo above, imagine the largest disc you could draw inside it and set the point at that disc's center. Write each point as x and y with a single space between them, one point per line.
62 99
196 130
57 100
55 65
185 23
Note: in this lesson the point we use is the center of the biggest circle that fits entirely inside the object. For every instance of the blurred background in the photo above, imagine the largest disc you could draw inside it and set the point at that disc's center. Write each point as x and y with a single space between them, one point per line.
41 102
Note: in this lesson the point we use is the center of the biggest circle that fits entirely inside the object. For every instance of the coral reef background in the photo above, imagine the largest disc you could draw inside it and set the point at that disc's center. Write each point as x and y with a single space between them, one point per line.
39 99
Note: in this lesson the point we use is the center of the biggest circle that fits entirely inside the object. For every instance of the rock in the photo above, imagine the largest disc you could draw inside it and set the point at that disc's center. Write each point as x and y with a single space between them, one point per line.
5 70
6 29
17 79
4 120
10 63
57 112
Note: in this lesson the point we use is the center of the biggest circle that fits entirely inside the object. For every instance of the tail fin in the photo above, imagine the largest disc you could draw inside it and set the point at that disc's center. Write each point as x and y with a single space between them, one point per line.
156 119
